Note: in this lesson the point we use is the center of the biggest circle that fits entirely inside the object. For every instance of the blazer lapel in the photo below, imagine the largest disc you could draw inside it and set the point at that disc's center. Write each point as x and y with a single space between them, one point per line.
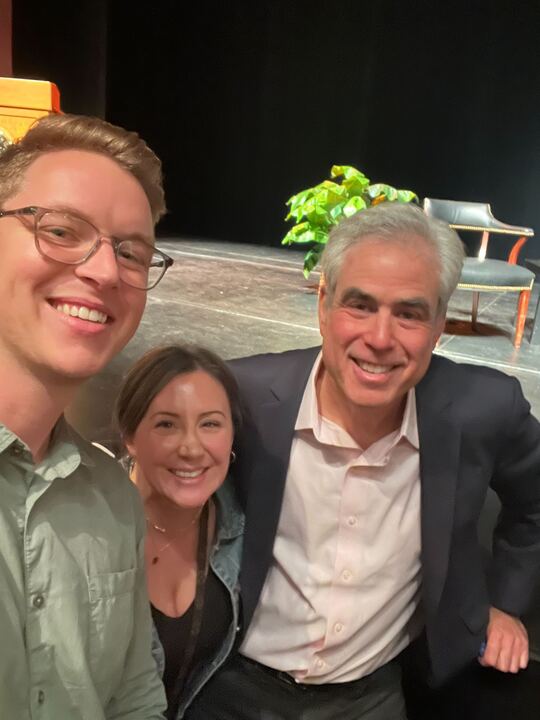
440 441
274 420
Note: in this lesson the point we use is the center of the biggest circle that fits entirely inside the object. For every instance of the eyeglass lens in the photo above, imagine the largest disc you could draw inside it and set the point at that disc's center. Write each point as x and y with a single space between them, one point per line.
69 239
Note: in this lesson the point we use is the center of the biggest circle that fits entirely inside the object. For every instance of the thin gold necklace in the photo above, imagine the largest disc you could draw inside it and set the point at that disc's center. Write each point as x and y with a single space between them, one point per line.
163 531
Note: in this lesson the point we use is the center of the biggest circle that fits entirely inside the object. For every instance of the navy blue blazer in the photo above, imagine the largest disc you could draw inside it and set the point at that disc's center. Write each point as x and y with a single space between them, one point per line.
475 431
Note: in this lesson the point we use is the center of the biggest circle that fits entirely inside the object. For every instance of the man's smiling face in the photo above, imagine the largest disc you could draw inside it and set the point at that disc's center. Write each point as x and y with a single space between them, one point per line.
68 321
380 327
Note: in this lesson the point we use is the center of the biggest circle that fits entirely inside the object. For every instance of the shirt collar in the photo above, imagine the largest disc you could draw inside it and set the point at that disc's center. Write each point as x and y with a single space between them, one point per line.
64 434
64 455
7 438
309 419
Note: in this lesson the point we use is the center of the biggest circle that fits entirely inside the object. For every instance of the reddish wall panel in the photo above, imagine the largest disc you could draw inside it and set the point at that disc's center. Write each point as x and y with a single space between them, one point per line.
6 64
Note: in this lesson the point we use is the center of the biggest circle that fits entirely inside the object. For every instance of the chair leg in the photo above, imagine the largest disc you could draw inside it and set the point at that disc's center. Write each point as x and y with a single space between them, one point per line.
475 300
523 304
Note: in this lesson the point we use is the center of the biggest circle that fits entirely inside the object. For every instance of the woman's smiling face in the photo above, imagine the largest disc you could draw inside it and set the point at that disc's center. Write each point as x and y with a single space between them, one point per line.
183 444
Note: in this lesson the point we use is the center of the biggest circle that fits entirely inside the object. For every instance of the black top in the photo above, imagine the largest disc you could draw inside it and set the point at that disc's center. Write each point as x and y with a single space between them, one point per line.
174 632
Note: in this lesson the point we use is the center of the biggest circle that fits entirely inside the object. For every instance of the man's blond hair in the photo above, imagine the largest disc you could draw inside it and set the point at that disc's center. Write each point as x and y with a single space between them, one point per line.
91 134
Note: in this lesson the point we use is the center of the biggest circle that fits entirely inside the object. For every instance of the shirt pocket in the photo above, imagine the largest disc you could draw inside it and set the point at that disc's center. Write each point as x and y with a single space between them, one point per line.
111 609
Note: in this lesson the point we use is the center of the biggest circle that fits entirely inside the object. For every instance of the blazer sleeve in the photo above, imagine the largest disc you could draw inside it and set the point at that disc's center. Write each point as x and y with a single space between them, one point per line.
516 480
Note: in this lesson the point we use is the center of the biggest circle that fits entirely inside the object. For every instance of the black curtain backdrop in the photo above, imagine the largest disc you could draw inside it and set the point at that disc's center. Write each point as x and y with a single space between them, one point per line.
248 102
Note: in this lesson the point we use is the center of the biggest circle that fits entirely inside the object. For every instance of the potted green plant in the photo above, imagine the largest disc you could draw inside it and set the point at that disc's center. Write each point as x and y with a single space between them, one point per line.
317 209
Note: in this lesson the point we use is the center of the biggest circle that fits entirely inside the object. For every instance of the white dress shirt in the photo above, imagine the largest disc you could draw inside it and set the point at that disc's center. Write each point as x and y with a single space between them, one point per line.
341 596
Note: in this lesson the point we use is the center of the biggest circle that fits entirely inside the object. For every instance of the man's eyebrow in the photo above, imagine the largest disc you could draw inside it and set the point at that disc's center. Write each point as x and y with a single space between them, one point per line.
354 294
70 210
415 302
148 240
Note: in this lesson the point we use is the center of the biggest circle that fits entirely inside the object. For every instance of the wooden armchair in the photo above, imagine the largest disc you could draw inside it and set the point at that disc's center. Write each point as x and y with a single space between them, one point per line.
482 274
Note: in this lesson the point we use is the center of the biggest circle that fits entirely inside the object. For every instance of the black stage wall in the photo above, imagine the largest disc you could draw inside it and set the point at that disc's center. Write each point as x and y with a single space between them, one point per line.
247 102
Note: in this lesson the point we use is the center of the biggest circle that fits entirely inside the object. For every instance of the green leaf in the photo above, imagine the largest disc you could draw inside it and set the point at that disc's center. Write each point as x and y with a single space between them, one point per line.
321 236
299 198
389 192
329 193
328 185
356 185
315 211
348 172
338 170
405 196
300 228
375 190
297 203
311 260
305 237
336 213
287 239
318 208
354 205
293 233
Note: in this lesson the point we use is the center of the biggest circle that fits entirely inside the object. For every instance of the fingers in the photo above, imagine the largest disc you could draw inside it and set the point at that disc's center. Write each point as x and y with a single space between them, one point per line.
507 647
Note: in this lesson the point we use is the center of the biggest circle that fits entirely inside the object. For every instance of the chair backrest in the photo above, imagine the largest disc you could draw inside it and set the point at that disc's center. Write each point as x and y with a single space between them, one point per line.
476 216
461 215
464 215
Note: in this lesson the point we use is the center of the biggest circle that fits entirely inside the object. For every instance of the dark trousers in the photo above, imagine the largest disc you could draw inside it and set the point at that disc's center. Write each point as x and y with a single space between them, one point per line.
477 694
245 690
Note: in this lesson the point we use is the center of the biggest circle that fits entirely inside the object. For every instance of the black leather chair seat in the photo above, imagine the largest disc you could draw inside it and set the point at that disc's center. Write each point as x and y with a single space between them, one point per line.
495 274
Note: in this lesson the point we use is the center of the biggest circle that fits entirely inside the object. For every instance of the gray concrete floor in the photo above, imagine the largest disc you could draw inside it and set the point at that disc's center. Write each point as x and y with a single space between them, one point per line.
245 299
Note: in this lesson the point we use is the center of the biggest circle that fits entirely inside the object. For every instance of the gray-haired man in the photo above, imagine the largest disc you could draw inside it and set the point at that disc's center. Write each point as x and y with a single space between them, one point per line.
363 479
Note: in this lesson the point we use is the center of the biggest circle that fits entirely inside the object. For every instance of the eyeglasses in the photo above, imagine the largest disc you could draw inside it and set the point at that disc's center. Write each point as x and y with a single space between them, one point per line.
71 240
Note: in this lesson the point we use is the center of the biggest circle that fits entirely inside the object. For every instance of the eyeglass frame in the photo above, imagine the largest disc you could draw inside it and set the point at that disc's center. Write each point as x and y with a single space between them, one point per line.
38 212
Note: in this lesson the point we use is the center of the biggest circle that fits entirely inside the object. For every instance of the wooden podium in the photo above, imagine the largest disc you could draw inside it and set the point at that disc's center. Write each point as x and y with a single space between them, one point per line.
21 103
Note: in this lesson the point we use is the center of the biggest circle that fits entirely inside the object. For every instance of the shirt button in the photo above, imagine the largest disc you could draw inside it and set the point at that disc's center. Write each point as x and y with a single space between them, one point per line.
352 520
319 663
39 601
16 450
346 575
41 697
338 627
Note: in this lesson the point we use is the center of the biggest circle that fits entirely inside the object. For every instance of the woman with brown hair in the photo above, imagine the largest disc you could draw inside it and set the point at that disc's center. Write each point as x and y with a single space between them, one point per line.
177 412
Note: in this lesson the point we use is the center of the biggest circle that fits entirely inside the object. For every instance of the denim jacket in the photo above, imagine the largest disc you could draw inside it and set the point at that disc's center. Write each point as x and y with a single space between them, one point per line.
225 558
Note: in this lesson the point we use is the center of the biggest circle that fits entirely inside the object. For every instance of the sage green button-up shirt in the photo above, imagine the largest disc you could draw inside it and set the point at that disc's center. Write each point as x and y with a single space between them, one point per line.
75 627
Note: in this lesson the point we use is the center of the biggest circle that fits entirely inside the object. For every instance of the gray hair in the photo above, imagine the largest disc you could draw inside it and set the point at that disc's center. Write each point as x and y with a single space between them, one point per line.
387 221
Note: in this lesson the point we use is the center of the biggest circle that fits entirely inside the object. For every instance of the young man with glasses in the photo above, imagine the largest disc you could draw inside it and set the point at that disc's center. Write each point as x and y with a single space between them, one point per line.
79 199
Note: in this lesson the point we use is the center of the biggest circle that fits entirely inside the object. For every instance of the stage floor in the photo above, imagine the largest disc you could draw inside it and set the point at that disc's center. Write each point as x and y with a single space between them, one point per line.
243 299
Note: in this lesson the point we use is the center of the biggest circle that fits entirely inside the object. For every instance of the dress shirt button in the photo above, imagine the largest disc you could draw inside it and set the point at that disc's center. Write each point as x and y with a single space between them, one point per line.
338 627
346 575
351 520
41 697
39 601
319 663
